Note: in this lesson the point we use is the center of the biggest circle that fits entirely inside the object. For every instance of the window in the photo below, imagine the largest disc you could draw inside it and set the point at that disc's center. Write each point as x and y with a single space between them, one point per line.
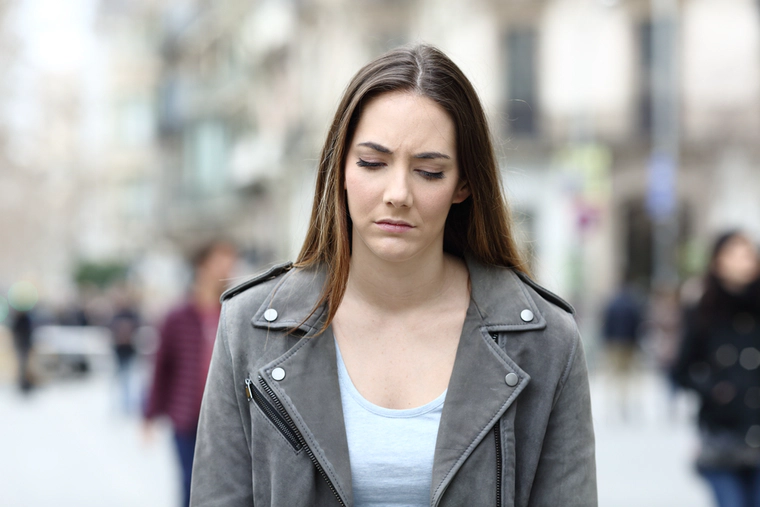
521 81
646 68
206 154
658 86
135 118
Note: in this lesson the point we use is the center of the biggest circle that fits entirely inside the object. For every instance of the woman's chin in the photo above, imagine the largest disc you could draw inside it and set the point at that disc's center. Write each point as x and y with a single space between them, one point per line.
392 255
385 252
393 249
398 255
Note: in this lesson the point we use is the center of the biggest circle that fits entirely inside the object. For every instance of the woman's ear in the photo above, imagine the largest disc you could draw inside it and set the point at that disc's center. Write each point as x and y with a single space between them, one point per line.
461 193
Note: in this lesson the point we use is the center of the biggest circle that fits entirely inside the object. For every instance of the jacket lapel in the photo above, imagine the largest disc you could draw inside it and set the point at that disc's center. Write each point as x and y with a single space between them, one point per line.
309 391
479 393
311 394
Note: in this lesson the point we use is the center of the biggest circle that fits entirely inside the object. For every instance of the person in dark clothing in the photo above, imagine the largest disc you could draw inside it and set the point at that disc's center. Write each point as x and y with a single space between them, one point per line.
622 317
187 338
621 328
720 360
124 324
22 328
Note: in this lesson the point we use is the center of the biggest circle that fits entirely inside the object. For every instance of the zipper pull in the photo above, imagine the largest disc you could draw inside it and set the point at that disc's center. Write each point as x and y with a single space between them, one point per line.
248 389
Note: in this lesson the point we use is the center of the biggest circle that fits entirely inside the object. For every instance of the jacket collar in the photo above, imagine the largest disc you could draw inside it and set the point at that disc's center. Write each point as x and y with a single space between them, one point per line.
478 392
293 299
502 298
499 293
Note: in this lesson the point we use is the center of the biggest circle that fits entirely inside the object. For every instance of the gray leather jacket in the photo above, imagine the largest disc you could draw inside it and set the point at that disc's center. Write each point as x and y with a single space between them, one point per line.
516 427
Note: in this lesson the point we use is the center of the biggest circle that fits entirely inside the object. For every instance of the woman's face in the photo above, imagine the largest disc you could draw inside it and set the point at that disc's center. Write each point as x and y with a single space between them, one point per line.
737 262
402 177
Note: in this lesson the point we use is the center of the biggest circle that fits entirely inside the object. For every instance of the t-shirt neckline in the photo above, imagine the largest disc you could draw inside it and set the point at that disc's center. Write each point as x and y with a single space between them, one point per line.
346 382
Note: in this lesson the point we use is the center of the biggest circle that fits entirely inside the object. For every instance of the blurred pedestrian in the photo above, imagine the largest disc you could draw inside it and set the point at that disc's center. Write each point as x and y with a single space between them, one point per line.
22 327
186 341
407 358
124 325
720 360
621 330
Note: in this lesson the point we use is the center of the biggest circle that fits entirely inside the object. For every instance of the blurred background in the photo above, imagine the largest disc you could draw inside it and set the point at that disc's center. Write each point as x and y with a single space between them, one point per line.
134 131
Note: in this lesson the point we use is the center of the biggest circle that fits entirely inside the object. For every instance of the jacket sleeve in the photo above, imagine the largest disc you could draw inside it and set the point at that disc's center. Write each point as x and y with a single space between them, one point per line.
222 466
566 473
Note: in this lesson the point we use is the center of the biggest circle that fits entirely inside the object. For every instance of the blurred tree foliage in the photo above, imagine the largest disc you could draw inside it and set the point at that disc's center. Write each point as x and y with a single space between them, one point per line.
693 258
100 274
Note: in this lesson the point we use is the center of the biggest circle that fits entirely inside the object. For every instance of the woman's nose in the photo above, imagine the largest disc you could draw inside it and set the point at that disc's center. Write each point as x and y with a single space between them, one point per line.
397 190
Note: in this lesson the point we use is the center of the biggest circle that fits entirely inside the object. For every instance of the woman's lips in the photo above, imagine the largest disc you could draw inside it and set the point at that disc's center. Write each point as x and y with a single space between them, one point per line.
393 226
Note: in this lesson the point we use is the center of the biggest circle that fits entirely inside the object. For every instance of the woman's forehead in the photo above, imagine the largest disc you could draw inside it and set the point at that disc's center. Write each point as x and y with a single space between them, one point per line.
406 121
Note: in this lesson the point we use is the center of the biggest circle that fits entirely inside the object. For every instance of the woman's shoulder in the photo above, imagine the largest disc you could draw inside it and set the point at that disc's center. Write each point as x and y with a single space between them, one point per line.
555 313
280 298
509 290
511 302
261 278
250 299
561 329
546 294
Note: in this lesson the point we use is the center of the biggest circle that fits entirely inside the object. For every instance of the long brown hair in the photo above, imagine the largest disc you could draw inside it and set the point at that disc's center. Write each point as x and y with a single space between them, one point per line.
479 226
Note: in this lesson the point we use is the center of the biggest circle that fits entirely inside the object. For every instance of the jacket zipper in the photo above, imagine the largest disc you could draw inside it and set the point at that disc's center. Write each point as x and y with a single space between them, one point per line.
497 439
287 422
272 414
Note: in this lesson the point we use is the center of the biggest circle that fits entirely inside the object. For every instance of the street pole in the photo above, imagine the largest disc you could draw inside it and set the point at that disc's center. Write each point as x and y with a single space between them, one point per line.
664 161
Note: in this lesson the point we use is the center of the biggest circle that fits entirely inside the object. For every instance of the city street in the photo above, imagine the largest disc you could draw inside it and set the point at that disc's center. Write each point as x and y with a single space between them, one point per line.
155 153
68 445
646 460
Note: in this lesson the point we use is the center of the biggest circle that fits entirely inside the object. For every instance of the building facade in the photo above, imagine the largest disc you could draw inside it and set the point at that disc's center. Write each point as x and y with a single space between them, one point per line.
570 87
625 129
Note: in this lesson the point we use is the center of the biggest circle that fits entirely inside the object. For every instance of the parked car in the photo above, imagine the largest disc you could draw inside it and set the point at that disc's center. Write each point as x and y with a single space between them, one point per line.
71 350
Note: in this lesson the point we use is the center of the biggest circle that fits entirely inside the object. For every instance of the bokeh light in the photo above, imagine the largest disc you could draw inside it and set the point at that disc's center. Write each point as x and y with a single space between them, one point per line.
22 296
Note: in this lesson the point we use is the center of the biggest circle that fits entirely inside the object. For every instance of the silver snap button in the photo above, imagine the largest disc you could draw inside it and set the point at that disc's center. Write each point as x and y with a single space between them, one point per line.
270 315
511 379
526 315
278 374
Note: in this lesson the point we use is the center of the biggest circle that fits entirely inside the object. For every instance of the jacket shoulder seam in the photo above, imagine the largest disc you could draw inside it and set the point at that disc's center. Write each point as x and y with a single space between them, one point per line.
546 294
267 275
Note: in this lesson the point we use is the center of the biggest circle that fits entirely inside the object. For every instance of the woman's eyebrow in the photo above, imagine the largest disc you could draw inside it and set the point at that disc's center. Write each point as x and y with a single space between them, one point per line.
376 147
431 155
425 155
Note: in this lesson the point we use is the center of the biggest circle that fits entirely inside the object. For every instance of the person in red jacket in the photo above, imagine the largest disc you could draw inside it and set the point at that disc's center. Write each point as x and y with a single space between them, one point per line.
187 337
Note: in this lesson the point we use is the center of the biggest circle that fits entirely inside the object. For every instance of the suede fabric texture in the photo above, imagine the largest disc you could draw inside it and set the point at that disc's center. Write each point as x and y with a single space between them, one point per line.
544 420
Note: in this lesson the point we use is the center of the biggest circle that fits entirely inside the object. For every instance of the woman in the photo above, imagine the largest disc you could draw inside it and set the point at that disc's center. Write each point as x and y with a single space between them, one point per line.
720 360
406 358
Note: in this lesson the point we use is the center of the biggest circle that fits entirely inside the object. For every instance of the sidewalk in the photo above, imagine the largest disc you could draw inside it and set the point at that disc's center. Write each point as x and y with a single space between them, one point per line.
646 461
67 445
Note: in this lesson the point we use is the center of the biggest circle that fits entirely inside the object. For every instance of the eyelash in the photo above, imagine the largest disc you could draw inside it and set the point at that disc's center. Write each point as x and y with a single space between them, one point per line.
432 176
364 163
425 174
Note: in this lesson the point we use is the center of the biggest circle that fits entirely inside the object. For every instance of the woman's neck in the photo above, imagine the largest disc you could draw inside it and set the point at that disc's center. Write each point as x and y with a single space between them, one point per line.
395 286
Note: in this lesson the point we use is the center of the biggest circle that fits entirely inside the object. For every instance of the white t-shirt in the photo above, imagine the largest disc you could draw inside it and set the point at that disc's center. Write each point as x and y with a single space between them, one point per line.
391 451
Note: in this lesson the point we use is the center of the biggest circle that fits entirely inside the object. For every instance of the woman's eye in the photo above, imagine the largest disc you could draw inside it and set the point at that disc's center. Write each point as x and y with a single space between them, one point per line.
364 163
432 175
